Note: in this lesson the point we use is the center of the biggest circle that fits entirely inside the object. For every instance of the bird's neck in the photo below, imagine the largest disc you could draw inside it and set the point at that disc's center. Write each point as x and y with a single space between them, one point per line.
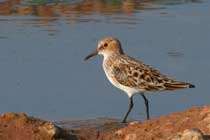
111 55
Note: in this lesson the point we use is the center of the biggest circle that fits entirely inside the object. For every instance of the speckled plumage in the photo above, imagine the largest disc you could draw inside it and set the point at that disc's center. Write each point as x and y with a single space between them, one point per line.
131 75
125 72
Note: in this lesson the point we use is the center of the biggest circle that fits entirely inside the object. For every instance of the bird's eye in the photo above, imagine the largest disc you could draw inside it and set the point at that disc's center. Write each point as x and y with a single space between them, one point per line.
105 45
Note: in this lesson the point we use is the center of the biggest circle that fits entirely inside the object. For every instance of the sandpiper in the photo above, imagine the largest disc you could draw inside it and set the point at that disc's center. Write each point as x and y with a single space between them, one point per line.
131 75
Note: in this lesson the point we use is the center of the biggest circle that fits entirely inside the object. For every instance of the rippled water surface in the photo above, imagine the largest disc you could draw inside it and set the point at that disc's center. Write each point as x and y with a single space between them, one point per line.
43 43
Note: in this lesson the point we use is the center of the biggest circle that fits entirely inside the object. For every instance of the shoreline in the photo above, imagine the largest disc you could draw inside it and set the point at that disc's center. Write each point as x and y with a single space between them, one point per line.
191 124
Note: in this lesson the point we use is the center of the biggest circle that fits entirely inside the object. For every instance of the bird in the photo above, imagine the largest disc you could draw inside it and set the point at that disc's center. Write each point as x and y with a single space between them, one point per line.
131 75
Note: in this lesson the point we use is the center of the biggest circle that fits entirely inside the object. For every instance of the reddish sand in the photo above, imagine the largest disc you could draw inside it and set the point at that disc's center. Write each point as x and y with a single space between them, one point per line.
192 124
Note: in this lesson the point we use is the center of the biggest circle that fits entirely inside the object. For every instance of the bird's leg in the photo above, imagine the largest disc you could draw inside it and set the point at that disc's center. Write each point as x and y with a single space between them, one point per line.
147 105
129 109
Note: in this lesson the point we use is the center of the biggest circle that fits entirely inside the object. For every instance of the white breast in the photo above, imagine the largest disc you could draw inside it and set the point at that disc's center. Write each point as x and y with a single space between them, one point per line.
128 90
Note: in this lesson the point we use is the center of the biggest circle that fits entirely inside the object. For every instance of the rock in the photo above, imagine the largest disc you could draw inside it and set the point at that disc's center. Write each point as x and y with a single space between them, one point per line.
190 134
49 129
19 126
130 137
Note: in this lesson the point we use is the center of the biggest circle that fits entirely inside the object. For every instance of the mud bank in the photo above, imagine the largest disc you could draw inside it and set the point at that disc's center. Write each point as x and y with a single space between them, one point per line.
192 124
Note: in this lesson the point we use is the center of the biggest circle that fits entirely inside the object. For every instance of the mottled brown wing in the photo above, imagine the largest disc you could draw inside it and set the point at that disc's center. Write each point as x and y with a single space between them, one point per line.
145 78
137 77
122 75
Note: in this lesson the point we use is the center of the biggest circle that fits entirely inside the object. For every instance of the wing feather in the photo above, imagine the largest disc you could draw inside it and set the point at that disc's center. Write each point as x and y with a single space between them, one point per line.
133 73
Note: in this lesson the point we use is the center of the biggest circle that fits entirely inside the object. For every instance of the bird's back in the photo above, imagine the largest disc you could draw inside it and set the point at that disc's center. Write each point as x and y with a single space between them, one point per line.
126 71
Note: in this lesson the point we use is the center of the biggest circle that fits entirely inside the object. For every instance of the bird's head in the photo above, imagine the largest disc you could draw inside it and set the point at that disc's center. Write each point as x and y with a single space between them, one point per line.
106 47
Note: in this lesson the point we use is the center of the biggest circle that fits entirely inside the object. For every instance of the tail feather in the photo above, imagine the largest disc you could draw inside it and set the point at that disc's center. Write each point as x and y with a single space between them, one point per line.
178 85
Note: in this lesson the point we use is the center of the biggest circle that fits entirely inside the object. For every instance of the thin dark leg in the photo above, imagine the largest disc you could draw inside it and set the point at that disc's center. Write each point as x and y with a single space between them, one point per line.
146 104
129 109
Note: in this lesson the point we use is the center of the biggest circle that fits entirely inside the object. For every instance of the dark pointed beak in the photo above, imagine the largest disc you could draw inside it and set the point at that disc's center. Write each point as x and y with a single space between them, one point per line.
91 55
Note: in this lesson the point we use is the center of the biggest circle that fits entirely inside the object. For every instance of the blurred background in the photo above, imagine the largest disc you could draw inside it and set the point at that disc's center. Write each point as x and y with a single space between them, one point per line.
43 43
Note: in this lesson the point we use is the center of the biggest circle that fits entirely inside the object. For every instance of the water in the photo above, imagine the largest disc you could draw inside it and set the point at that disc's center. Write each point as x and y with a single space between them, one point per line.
43 44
